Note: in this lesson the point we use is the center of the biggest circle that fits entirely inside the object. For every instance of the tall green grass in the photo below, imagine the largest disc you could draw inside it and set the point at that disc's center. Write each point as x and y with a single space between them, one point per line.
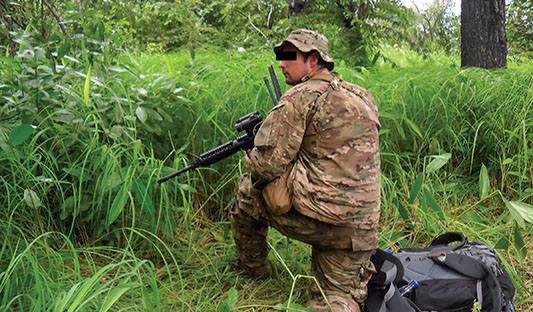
85 227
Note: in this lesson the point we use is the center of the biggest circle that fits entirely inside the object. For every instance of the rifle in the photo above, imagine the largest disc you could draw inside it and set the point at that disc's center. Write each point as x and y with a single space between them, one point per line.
249 123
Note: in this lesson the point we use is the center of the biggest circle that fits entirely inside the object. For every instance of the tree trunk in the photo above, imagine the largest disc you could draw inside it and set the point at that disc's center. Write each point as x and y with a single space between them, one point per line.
296 6
483 37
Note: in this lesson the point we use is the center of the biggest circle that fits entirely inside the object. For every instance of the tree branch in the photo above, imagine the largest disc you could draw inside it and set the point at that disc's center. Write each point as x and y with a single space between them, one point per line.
55 16
255 27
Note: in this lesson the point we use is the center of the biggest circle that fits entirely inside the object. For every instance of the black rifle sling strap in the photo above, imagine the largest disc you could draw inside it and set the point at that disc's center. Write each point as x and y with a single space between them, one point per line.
473 269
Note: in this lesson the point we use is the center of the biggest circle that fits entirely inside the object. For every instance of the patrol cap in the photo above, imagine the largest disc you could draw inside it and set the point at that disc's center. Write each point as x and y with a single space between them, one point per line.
307 40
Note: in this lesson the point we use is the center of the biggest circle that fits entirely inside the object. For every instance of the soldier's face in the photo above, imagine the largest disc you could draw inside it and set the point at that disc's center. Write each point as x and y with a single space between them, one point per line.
294 70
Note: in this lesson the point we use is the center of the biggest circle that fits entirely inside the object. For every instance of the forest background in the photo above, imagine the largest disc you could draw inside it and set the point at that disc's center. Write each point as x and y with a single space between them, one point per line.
99 99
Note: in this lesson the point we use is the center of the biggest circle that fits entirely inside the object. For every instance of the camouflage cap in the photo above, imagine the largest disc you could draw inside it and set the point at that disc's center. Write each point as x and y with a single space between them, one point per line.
307 40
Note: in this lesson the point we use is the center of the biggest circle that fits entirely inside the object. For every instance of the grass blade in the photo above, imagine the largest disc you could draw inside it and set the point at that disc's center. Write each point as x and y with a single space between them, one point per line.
118 204
403 213
432 202
483 182
519 244
114 295
415 189
87 87
414 127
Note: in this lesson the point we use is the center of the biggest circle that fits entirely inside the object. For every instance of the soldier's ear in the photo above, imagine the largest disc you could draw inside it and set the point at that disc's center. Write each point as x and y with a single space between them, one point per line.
314 58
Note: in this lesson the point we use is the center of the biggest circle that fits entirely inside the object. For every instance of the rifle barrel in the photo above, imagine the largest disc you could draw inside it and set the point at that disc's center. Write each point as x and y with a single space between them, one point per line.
177 173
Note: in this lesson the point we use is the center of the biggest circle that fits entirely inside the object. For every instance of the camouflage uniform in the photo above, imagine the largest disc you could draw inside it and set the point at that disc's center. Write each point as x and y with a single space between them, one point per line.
329 129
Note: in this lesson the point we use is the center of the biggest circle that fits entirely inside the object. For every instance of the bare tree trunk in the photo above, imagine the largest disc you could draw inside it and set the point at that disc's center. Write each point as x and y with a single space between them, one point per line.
483 37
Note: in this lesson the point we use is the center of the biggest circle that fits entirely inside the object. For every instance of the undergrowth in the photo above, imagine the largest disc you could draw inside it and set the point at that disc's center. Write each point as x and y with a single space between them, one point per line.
86 227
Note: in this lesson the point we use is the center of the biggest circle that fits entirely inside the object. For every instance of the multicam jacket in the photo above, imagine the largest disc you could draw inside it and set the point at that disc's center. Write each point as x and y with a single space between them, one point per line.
329 129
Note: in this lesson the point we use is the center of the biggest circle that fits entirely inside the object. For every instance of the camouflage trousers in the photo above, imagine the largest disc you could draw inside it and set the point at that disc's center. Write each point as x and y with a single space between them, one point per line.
340 260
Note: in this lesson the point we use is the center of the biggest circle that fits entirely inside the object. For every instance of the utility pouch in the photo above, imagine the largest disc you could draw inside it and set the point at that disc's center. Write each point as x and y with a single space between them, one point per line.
276 194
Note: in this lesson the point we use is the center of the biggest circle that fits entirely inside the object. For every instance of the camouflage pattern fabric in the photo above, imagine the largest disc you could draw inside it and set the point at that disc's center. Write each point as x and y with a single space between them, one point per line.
336 177
307 40
342 273
330 128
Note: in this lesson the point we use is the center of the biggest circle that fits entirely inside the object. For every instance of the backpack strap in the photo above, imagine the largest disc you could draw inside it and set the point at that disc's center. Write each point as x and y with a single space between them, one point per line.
389 269
474 269
450 237
388 299
383 295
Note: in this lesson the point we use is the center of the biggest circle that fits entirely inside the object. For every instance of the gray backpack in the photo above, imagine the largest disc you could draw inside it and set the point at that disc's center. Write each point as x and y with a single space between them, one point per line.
448 278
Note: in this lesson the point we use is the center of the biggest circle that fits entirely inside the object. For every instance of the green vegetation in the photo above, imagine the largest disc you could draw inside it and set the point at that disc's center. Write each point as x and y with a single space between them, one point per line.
459 139
87 127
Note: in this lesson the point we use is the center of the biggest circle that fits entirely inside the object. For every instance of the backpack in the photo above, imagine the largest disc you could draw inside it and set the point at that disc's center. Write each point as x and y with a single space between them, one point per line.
449 278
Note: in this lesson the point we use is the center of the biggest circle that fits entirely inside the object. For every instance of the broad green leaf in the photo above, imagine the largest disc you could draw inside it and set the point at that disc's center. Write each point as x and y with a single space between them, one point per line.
115 132
507 161
153 114
415 189
520 211
67 208
141 114
187 187
223 307
432 202
514 213
483 182
118 205
19 134
437 162
232 298
32 199
87 88
64 116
